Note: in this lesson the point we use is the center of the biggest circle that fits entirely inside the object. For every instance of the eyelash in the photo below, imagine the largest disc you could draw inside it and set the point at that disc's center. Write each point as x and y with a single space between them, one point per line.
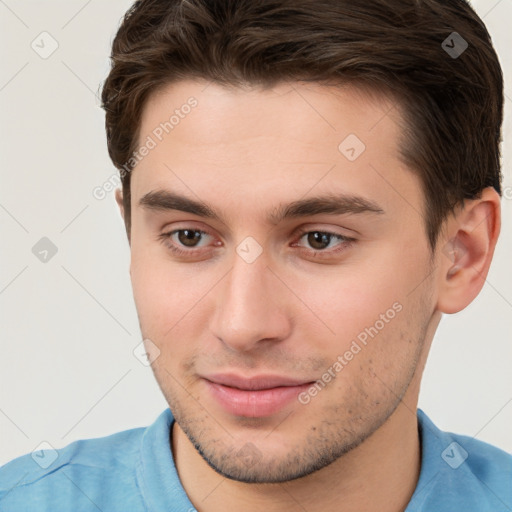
346 242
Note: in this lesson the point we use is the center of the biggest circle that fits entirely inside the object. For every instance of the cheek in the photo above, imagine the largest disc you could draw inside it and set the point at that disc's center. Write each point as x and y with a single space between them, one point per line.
374 366
156 289
170 298
354 299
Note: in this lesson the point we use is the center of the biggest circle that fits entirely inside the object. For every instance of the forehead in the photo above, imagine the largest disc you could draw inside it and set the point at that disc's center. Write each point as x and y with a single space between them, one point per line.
253 147
306 110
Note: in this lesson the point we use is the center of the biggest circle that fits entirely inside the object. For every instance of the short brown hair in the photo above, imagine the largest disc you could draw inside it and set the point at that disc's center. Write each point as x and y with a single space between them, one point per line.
452 104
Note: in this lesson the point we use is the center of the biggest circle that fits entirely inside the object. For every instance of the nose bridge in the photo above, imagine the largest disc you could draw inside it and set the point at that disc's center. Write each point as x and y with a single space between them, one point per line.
248 310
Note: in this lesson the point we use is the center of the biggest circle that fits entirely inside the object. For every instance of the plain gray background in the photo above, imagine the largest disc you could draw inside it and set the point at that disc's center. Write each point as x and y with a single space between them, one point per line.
69 325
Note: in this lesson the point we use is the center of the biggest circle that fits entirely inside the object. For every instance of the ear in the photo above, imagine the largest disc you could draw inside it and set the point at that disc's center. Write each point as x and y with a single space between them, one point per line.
119 201
466 249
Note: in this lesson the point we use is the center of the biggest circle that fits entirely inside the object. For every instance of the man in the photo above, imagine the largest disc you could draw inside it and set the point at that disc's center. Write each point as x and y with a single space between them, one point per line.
307 186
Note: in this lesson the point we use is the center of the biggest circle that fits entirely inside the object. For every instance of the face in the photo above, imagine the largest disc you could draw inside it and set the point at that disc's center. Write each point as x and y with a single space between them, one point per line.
280 270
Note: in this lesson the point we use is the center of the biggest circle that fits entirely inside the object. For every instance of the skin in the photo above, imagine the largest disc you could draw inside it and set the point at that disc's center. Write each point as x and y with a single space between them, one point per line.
292 312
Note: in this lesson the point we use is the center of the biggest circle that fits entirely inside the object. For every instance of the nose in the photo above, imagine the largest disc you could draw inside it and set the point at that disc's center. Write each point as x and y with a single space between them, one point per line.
251 307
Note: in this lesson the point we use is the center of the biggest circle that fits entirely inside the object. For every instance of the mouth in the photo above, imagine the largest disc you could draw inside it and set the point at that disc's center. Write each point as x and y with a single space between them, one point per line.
255 397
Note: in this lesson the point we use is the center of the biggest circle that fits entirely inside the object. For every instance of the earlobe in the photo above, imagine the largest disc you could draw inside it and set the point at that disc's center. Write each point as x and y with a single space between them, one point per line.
465 255
119 201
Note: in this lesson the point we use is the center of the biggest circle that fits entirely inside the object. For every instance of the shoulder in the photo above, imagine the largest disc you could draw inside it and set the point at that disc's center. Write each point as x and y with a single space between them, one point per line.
73 474
461 472
486 462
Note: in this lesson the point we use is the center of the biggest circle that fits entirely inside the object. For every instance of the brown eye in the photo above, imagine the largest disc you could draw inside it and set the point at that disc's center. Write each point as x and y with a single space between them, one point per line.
321 240
185 242
188 237
322 243
318 240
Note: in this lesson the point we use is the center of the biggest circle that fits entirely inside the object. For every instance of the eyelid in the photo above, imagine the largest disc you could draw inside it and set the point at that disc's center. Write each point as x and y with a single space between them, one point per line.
338 230
305 229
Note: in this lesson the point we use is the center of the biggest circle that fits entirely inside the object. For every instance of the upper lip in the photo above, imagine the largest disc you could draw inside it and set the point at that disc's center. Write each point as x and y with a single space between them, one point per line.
257 382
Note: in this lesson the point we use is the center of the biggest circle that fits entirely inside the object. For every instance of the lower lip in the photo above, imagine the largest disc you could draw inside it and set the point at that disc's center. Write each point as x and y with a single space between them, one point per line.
254 404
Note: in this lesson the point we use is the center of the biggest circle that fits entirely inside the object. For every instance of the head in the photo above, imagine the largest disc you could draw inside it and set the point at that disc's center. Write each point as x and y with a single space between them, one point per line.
306 186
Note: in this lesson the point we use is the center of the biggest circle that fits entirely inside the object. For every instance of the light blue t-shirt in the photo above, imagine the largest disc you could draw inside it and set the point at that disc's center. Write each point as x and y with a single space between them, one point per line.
134 471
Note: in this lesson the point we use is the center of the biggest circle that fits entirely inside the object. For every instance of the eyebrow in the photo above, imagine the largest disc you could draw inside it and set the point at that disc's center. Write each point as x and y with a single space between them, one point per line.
331 204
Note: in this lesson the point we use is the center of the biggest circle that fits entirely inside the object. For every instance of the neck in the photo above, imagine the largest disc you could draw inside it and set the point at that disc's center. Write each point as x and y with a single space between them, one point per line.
379 474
